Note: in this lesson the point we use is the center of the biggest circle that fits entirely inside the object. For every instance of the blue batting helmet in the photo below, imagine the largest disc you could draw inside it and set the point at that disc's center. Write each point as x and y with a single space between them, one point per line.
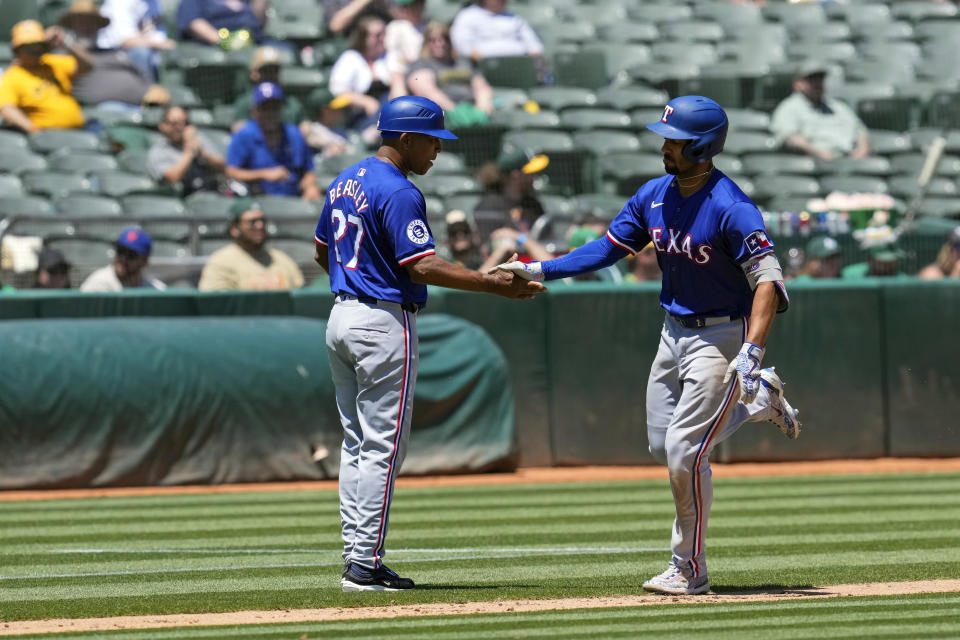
412 114
700 120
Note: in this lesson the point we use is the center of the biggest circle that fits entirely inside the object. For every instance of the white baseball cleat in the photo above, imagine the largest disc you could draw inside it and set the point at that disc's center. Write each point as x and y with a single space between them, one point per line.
784 415
673 581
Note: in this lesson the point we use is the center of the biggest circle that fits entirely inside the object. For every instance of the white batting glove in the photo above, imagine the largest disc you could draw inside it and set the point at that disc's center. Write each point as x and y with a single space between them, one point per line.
526 270
746 366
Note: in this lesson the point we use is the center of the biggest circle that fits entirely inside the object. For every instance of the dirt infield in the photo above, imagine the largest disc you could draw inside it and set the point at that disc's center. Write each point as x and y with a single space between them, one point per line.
436 609
530 475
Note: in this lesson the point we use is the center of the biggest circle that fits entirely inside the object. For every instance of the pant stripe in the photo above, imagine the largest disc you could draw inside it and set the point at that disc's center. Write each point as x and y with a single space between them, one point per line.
715 428
388 490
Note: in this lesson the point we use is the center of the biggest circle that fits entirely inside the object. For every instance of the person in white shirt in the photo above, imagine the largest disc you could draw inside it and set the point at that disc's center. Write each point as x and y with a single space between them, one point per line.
404 36
487 30
135 27
126 272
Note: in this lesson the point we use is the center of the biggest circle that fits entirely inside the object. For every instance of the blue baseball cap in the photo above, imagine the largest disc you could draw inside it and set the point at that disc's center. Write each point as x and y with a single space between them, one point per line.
136 240
266 91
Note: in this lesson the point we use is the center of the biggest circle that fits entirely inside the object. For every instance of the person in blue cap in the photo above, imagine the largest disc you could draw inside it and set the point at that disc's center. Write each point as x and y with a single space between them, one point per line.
130 257
271 155
374 240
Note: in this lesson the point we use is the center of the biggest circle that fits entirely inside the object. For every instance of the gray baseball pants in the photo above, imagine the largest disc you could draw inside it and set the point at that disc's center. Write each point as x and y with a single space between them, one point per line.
374 358
689 412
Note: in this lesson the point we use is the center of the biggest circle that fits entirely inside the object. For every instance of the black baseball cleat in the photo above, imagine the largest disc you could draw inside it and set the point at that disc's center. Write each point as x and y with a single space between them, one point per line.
357 578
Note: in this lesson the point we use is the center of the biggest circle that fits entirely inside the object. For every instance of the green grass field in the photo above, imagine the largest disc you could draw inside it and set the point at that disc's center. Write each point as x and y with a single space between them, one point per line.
203 553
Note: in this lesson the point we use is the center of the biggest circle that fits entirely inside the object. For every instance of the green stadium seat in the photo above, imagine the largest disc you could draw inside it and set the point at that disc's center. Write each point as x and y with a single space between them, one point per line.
301 228
729 83
854 92
598 14
141 205
828 51
76 162
940 207
917 10
704 53
133 161
889 142
922 138
536 14
288 206
169 249
771 52
301 32
49 140
876 13
558 98
557 204
25 206
162 228
447 163
692 31
462 201
748 142
184 96
13 160
619 59
604 206
785 203
779 163
884 32
940 72
509 98
896 114
124 137
747 120
578 118
581 69
905 187
660 14
570 172
938 31
110 117
737 15
783 185
746 183
808 13
632 97
510 71
540 141
729 164
300 82
826 33
666 75
886 71
218 138
520 118
911 164
476 145
55 183
10 186
85 254
443 186
869 166
120 183
880 50
6 53
10 139
600 141
336 164
200 117
629 32
560 33
944 110
853 184
209 204
87 205
626 171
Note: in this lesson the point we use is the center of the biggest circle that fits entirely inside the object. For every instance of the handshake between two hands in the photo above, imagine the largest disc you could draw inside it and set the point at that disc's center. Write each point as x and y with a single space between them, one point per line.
522 279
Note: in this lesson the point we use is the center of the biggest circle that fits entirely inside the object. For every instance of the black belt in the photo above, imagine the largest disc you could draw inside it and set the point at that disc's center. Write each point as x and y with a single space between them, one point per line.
700 322
412 307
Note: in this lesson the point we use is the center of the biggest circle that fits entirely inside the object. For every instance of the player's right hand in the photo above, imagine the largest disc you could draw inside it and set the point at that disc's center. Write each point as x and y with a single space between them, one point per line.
527 271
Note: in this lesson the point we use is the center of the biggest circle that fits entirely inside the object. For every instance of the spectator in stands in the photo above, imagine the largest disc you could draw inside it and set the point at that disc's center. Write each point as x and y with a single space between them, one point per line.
883 260
809 122
450 81
403 38
136 26
131 257
510 198
270 153
115 80
589 231
947 264
463 244
231 24
823 259
644 266
53 270
326 133
341 16
265 67
485 29
184 157
36 89
247 263
361 75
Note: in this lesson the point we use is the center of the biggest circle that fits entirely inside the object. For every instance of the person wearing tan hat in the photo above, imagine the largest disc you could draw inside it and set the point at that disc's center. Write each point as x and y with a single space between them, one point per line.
36 90
809 122
265 67
115 81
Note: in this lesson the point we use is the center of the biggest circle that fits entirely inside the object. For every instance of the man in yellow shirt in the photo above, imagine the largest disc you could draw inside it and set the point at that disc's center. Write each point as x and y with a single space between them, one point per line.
35 91
247 264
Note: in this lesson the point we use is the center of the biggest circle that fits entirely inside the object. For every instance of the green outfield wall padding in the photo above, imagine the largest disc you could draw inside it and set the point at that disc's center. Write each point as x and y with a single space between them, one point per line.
922 344
147 401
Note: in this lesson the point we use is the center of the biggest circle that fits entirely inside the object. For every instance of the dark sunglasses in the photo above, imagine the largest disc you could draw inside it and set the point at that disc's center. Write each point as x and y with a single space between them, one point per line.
129 254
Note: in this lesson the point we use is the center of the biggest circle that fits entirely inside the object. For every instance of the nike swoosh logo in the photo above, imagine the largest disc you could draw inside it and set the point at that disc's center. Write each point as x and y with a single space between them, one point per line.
654 205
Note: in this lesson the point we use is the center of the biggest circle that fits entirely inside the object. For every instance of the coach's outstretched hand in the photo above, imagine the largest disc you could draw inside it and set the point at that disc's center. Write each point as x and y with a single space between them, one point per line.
527 271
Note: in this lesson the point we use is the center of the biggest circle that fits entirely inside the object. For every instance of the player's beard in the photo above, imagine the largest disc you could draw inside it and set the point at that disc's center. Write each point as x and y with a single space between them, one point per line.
670 166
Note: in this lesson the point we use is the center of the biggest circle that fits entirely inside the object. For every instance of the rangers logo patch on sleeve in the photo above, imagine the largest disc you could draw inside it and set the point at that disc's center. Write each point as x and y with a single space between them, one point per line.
757 242
417 232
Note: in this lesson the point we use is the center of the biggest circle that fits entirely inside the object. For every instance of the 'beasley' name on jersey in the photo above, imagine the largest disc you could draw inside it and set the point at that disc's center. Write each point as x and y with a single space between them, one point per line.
353 189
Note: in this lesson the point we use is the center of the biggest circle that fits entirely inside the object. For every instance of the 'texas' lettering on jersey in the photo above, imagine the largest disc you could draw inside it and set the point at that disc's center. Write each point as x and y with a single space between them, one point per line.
350 188
673 242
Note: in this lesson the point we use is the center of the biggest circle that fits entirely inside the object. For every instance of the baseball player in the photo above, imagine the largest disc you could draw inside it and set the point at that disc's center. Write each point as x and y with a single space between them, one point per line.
374 241
722 286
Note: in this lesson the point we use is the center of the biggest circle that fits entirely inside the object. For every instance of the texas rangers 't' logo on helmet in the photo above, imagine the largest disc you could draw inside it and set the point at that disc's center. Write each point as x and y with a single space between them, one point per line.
667 111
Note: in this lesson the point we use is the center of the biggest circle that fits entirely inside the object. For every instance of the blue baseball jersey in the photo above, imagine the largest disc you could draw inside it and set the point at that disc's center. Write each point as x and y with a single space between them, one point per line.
701 241
373 222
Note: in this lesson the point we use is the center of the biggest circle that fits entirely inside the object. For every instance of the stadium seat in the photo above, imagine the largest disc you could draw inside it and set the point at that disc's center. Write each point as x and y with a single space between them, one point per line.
940 207
604 206
852 184
772 52
896 114
87 205
184 96
642 117
55 184
302 228
869 166
911 164
917 10
629 32
922 138
581 69
594 119
163 248
788 13
692 31
889 142
10 186
443 186
510 71
462 201
749 142
747 120
626 171
885 32
781 185
49 140
218 138
558 98
560 33
25 206
828 51
881 50
86 255
120 183
336 164
288 206
944 110
124 137
779 163
300 82
770 90
133 161
890 71
521 118
938 30
477 145
10 139
703 53
446 163
76 162
853 93
209 204
13 160
739 16
876 13
570 172
729 164
541 141
600 141
110 117
535 13
729 83
632 97
827 32
142 205
905 187
941 72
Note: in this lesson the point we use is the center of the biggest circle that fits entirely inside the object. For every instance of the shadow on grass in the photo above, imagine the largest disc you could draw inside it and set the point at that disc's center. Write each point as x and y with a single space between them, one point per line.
769 589
470 587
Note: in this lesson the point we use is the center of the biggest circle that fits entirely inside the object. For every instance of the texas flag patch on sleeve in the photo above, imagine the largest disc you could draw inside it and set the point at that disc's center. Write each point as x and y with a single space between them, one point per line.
757 242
